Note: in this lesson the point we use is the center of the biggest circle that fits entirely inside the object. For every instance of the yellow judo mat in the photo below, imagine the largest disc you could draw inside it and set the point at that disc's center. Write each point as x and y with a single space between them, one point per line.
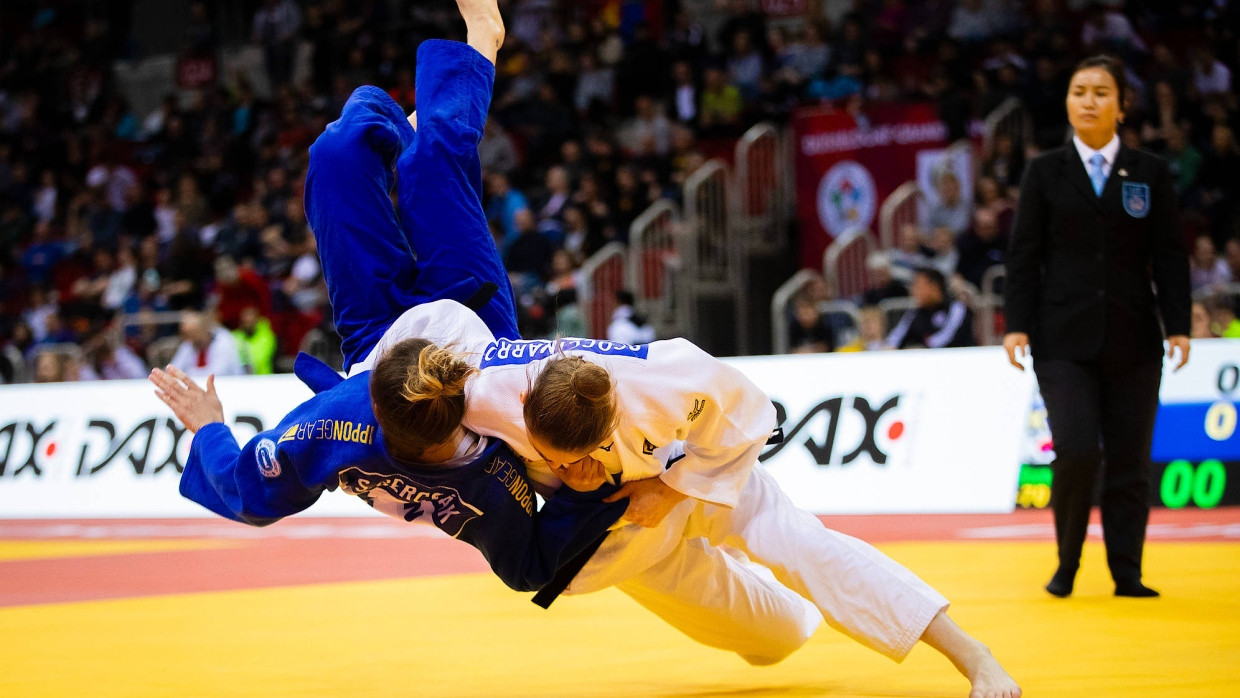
466 635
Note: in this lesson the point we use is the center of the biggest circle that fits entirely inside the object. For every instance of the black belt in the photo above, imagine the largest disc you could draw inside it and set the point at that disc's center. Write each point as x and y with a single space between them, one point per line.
565 574
480 297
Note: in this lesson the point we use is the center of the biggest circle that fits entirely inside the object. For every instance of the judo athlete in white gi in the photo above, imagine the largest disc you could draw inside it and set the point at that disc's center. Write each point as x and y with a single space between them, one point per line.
546 399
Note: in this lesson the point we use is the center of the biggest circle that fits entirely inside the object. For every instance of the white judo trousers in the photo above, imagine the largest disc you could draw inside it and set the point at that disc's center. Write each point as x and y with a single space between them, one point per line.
857 589
689 570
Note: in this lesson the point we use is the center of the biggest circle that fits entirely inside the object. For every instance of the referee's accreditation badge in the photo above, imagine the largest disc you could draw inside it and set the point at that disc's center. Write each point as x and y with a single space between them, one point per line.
1136 197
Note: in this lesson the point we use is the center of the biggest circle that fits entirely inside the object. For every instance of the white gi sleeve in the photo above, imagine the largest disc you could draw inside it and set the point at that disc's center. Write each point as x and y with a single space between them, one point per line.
723 418
444 322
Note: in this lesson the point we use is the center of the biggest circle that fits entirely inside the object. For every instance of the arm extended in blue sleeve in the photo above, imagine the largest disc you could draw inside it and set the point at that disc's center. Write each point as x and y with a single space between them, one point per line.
255 485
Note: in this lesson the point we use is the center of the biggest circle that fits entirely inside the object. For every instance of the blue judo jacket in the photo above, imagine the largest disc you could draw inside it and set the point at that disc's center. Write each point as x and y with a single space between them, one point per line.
333 441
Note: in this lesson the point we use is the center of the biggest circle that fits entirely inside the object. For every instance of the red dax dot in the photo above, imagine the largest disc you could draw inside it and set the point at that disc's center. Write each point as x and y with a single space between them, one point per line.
51 449
895 431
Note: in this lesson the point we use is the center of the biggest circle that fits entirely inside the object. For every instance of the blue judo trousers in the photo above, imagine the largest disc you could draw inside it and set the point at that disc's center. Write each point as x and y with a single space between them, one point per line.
376 266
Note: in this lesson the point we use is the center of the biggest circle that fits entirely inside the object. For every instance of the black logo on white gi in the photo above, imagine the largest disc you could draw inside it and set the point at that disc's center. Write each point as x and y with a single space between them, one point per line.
647 448
400 496
265 453
822 451
698 406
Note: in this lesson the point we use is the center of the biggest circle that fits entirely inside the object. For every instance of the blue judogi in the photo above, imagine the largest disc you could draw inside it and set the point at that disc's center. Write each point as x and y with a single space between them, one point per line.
376 267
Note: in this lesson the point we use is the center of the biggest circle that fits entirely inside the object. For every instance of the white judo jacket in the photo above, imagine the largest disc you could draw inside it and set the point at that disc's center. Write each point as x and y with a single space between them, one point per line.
668 392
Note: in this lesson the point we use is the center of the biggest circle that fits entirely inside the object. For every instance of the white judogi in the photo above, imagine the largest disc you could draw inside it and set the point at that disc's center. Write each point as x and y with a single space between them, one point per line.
668 391
697 570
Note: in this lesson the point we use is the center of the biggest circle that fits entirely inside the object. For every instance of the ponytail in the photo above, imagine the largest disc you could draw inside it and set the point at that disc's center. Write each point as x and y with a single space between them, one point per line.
418 392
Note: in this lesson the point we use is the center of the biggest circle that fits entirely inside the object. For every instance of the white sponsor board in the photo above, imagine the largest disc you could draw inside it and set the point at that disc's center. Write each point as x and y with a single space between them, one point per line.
897 432
112 449
914 431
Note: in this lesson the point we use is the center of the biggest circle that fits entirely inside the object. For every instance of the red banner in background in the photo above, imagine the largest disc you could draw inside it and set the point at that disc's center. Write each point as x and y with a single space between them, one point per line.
846 169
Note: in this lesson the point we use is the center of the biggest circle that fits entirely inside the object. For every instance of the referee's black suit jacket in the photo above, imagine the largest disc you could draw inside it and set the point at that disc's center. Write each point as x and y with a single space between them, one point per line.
1079 265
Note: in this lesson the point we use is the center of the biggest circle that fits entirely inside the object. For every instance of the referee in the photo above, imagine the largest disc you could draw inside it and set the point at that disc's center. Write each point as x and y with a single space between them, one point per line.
1096 224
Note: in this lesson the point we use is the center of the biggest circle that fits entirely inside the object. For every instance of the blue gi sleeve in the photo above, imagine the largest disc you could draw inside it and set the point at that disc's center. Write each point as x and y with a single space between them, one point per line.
253 485
440 184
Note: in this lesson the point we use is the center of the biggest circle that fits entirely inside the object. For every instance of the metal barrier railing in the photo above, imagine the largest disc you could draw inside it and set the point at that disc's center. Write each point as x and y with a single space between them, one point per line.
602 275
900 207
715 256
763 189
653 265
987 304
781 303
843 262
1009 118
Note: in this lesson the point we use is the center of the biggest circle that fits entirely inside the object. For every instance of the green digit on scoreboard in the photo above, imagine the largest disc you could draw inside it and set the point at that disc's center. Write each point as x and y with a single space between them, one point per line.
1203 484
1177 484
1209 483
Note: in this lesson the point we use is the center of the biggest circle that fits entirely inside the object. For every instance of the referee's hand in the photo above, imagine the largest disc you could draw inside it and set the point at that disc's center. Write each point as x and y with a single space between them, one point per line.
1180 342
1017 345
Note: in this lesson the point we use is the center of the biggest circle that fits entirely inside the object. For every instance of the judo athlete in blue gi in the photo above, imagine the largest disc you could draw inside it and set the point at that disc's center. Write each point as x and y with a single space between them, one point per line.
333 440
390 280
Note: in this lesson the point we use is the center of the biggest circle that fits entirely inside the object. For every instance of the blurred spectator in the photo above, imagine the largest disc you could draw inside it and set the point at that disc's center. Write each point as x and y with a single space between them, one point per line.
1108 29
529 254
276 25
569 322
256 342
941 244
872 328
503 204
1223 322
238 288
683 100
721 105
1201 324
111 360
937 321
1210 75
648 132
1207 270
908 255
980 247
627 325
880 282
1184 159
809 331
206 348
1231 255
947 206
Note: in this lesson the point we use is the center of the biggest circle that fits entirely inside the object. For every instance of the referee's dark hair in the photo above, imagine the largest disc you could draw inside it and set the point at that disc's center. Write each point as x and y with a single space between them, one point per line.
1116 69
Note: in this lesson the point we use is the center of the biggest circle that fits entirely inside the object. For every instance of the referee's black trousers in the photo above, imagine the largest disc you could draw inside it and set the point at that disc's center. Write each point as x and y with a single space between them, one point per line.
1101 418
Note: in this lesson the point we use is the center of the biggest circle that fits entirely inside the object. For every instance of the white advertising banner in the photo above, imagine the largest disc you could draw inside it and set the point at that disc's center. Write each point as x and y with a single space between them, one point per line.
922 431
906 432
108 449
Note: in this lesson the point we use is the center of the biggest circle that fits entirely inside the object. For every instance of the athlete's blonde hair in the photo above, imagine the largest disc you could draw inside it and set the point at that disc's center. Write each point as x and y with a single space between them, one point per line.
418 392
571 405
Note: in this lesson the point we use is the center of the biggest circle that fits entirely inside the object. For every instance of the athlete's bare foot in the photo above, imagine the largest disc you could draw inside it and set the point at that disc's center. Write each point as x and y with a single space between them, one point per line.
971 658
484 27
989 680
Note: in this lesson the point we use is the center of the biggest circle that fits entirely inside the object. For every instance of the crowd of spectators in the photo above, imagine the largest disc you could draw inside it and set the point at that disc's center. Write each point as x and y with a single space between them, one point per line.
600 108
1179 60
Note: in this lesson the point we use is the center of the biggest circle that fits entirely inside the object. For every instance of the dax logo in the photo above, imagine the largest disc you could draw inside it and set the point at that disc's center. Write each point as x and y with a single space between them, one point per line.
268 464
873 430
26 447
